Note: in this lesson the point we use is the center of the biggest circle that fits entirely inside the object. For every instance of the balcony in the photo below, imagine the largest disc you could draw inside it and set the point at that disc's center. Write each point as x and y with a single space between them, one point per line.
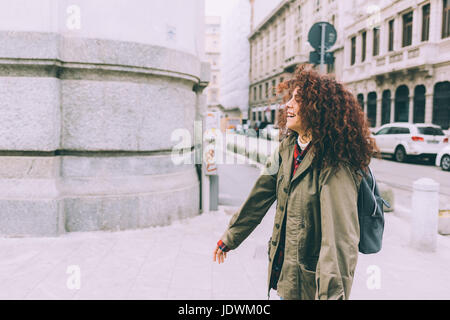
418 56
291 63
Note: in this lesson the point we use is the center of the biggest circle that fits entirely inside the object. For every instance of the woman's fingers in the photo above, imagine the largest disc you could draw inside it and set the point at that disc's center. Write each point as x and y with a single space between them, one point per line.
215 253
219 255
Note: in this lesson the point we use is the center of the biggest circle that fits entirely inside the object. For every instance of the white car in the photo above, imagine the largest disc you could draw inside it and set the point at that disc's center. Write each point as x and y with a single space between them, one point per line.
443 158
270 132
403 140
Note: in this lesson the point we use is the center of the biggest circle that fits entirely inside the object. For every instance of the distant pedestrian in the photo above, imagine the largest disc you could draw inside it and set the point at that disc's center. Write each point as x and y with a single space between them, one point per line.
312 174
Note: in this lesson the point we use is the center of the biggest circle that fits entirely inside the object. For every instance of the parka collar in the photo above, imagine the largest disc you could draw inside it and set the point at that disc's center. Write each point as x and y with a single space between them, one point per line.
287 156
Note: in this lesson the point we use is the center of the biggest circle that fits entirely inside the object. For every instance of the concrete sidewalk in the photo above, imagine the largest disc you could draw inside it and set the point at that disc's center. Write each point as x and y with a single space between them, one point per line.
175 262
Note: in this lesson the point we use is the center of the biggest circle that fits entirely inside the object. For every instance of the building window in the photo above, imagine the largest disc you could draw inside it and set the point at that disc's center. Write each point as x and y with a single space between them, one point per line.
275 59
299 44
364 44
283 52
386 107
267 90
317 5
281 79
407 29
330 68
268 63
426 22
360 98
275 33
353 53
401 104
283 27
274 83
376 41
260 92
441 103
372 108
446 19
391 36
214 95
254 93
419 104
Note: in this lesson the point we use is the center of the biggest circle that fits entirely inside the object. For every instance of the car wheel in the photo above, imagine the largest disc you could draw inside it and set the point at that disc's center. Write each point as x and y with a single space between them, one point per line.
400 154
445 163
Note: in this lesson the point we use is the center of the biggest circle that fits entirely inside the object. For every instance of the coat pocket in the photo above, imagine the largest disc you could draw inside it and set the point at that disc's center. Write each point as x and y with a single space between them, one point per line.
307 283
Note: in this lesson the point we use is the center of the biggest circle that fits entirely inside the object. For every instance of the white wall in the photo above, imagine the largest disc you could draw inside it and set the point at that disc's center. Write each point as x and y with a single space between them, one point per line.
146 21
235 58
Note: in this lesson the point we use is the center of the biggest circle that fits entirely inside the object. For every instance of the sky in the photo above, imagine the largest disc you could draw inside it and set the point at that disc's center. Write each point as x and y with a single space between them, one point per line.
262 8
214 7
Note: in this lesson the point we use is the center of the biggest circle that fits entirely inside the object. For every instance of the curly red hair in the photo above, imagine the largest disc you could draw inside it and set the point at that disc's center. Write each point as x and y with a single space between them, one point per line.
339 127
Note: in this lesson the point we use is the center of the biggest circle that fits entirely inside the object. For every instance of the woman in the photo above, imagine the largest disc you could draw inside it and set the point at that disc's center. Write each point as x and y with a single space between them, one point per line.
313 176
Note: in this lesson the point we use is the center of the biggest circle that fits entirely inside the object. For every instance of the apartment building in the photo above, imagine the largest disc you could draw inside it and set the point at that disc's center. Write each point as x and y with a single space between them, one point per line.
212 52
279 43
397 61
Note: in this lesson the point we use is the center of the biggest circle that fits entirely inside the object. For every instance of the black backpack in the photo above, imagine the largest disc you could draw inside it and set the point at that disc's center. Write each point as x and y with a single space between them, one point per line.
370 214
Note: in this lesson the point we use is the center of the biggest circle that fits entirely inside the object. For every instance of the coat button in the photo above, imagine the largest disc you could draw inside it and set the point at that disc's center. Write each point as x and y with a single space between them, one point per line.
281 208
274 243
277 226
285 189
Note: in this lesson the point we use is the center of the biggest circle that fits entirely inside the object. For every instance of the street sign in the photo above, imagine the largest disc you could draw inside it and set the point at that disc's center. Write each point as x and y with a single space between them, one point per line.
314 57
322 36
315 35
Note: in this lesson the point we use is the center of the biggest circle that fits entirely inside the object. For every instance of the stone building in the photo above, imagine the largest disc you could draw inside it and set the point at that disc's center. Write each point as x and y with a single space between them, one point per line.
234 61
212 52
397 61
279 43
91 93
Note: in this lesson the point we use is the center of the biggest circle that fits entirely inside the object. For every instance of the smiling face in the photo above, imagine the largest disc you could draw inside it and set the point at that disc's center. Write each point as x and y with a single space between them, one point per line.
293 121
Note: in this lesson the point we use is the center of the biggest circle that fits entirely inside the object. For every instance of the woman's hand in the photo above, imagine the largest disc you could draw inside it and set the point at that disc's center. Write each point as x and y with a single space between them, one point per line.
219 254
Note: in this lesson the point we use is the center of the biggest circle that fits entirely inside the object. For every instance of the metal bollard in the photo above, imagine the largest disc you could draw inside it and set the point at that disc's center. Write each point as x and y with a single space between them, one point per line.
425 209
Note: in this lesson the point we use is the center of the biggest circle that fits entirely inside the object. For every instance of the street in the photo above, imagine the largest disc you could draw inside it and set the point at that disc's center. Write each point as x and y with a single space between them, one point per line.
401 176
404 273
175 261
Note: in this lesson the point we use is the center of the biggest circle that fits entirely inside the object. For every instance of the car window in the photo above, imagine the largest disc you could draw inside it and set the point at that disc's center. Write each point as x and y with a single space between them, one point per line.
399 130
403 131
393 130
383 131
431 131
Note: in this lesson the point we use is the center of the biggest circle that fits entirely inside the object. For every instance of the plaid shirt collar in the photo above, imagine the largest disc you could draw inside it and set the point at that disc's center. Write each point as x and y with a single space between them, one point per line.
299 154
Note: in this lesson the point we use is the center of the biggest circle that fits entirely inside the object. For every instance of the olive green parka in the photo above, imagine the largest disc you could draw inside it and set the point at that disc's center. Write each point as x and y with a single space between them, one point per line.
322 228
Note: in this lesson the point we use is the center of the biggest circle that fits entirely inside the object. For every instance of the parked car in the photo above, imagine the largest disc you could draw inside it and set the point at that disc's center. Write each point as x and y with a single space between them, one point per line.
403 140
270 132
239 129
443 158
257 127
